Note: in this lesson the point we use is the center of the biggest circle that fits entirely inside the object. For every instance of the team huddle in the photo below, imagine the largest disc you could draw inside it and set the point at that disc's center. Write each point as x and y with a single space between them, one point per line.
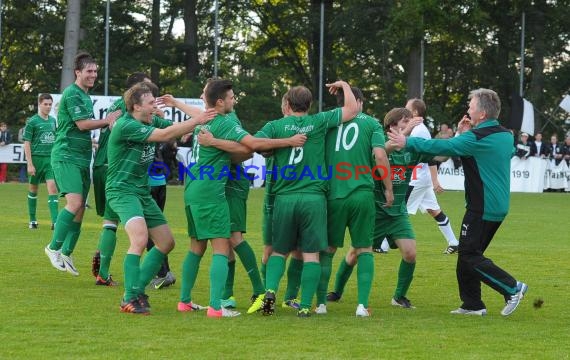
305 217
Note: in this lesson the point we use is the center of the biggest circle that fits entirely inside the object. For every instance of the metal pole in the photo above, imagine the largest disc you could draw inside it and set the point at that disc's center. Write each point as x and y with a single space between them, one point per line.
107 47
216 35
321 50
521 76
422 69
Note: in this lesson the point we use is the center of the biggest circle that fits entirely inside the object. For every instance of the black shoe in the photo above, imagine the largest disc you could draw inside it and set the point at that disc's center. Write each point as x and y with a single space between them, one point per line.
134 307
451 249
268 303
403 302
96 263
33 225
380 251
143 300
333 296
52 226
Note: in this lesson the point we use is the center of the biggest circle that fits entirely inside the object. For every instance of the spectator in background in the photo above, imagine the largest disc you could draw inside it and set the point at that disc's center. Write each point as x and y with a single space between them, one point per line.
554 150
5 139
537 148
23 172
445 132
523 147
566 149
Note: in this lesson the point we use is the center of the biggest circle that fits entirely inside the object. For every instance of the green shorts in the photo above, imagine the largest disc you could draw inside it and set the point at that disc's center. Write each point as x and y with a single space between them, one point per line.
129 206
300 221
238 213
43 170
392 228
71 178
267 225
208 221
356 212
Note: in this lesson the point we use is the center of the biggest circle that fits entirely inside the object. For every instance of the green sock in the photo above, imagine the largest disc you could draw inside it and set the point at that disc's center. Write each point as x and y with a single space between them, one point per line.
32 205
293 278
365 275
218 275
150 266
53 204
131 267
342 275
275 270
64 220
107 244
326 269
247 258
309 282
229 288
190 267
263 271
405 276
71 238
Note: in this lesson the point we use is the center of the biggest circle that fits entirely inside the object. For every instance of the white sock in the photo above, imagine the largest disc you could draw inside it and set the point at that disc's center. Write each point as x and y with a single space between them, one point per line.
385 246
445 228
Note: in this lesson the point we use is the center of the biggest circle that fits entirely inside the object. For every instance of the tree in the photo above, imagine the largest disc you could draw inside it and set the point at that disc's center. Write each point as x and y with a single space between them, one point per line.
71 42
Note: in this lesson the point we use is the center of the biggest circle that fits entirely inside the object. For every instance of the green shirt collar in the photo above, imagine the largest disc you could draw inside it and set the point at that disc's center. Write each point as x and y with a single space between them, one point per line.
487 123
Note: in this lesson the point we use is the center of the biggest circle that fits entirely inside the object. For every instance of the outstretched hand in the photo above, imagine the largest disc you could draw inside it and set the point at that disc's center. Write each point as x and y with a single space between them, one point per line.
397 137
165 100
205 116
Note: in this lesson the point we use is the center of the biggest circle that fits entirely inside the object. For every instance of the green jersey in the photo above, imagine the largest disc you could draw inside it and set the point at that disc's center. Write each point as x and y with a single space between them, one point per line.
130 154
101 154
301 169
71 144
348 151
402 164
40 133
238 182
209 168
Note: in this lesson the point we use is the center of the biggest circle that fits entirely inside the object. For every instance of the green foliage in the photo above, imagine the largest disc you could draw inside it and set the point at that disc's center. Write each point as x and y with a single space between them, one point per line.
468 44
48 314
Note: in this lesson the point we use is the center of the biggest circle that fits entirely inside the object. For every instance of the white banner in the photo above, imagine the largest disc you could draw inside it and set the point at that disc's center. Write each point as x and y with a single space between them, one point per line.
102 103
557 176
527 175
449 177
12 154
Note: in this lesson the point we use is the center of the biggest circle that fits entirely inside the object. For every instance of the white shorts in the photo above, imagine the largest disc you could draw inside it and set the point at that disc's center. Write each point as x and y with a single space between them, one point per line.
422 198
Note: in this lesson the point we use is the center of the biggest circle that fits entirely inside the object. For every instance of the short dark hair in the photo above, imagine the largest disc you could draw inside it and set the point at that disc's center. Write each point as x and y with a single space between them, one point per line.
395 115
216 89
136 77
357 94
82 59
44 96
300 99
135 94
419 106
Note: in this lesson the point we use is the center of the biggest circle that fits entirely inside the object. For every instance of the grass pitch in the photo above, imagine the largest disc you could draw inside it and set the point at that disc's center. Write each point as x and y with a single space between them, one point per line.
47 314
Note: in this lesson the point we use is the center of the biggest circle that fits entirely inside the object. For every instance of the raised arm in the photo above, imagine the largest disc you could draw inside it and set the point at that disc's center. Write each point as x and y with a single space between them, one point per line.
169 100
350 108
